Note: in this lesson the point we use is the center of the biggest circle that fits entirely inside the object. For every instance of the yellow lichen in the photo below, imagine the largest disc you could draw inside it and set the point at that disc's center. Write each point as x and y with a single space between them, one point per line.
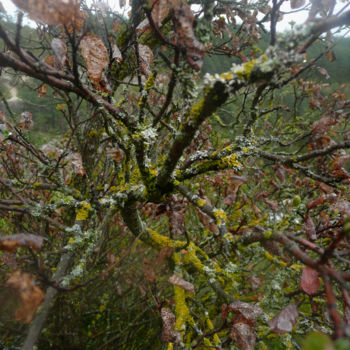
230 161
92 134
182 312
197 109
226 75
159 241
153 172
191 258
149 82
200 202
220 217
83 212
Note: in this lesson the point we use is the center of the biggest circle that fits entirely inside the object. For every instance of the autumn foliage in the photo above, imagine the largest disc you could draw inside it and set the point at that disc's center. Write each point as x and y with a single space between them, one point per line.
178 210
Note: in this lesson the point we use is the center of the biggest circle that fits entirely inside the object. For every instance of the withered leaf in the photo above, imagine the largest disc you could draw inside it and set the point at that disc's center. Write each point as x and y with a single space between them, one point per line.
322 125
31 296
310 228
324 72
95 55
116 154
178 281
26 121
273 204
27 240
295 4
51 12
330 56
249 311
148 271
117 55
42 90
60 50
145 59
285 320
242 333
77 164
185 37
310 281
168 332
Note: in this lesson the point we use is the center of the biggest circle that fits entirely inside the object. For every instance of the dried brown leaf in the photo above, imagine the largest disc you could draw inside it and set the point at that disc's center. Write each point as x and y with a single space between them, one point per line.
26 121
77 164
285 320
60 50
27 240
145 59
42 90
295 4
178 281
185 37
117 55
242 333
249 311
31 296
310 281
310 228
168 332
95 55
52 12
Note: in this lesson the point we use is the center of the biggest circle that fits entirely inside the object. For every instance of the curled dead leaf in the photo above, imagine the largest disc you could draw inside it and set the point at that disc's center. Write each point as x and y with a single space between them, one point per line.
26 121
285 320
168 332
178 281
52 12
27 240
31 296
310 281
95 55
249 311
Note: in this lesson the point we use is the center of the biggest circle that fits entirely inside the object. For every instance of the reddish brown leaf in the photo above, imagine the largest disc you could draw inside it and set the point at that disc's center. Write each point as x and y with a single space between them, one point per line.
185 38
26 121
117 55
324 72
96 57
314 203
330 56
310 281
52 12
295 4
42 90
310 229
116 154
322 125
178 281
60 50
285 320
249 311
27 240
77 164
31 296
148 271
146 59
242 333
273 204
168 332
